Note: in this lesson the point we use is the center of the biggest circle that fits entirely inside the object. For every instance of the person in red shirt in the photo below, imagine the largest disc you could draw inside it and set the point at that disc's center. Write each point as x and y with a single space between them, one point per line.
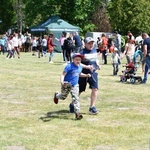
103 47
51 46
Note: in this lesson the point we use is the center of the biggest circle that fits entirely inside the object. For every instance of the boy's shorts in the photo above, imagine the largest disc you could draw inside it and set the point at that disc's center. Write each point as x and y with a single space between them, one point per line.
93 82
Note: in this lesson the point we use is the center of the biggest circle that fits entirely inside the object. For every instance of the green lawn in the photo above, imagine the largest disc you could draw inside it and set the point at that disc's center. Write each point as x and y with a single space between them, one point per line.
30 120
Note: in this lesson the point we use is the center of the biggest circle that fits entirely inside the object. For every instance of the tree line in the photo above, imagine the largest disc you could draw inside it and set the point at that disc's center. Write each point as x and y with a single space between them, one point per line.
89 15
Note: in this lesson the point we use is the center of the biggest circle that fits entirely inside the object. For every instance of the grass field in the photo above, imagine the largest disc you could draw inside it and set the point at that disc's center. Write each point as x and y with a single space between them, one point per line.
29 120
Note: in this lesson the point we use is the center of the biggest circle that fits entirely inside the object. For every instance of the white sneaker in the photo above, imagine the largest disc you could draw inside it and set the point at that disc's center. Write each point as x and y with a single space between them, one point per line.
51 62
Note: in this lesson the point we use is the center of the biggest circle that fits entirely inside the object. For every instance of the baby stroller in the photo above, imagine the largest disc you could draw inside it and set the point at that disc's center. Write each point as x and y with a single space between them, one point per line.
130 73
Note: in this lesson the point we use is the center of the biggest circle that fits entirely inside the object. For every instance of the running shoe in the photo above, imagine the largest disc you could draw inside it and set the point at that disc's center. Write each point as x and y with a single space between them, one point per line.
55 98
78 116
93 111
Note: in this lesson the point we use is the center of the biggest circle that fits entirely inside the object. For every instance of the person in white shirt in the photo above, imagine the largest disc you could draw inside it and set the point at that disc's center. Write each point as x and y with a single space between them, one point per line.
44 45
15 45
34 46
139 38
9 47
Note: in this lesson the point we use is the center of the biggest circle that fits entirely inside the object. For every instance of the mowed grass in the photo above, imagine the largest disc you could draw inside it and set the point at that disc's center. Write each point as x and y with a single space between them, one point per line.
29 119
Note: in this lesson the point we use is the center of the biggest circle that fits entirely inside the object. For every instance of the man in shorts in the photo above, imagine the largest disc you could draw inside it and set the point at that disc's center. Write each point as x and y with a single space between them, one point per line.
90 58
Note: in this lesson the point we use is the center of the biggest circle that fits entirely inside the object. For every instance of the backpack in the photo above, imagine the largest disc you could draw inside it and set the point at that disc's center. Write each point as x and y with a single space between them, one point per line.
104 44
105 41
68 43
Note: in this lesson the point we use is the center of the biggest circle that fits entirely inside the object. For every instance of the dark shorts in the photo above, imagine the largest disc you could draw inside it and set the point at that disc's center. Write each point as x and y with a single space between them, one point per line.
34 48
93 82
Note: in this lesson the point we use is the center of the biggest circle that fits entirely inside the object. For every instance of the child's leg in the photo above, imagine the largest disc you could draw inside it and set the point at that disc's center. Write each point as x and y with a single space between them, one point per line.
64 92
114 68
117 68
75 98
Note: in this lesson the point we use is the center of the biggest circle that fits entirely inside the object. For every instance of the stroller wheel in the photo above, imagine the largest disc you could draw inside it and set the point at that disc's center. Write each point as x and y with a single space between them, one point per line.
123 79
132 80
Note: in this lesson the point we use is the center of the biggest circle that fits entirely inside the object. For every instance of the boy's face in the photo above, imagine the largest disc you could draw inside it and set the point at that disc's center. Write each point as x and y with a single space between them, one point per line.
89 45
77 61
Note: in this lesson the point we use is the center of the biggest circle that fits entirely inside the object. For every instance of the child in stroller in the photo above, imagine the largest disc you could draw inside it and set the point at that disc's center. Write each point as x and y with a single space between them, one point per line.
130 73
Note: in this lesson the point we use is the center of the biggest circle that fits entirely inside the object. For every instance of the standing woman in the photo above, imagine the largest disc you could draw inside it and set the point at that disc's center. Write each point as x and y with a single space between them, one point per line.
50 46
16 44
129 49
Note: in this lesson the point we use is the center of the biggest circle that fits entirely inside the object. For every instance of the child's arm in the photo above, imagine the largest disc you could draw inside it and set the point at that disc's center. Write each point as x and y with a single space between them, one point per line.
85 75
57 39
90 67
62 78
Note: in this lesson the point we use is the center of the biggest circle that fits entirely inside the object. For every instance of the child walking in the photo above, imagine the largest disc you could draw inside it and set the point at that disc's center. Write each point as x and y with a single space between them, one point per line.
69 83
114 59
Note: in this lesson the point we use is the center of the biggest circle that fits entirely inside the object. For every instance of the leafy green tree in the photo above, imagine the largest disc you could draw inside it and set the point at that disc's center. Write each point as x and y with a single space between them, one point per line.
7 15
76 12
130 15
100 18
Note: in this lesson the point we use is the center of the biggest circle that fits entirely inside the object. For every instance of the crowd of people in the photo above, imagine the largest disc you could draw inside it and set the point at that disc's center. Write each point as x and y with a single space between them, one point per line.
81 59
12 44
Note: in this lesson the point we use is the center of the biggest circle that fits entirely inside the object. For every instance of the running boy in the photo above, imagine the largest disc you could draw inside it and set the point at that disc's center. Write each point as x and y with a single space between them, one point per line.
69 83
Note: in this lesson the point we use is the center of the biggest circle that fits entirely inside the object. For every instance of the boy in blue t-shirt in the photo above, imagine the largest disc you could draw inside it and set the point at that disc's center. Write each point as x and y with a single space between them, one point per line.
69 83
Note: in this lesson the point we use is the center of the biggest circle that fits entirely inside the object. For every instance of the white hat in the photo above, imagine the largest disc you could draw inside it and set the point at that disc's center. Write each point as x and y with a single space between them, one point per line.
89 39
115 49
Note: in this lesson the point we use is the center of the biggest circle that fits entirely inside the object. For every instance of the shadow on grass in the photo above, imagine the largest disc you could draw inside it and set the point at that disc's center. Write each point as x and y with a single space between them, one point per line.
128 82
61 114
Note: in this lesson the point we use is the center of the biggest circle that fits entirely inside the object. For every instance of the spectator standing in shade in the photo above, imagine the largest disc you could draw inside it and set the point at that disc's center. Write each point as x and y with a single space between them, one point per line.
61 40
77 42
39 47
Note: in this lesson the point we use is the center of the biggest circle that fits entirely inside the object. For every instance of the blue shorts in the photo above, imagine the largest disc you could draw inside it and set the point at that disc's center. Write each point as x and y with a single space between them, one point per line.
93 82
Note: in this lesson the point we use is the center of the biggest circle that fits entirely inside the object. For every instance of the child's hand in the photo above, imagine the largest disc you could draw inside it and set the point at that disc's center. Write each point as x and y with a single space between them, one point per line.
65 84
90 67
98 67
88 75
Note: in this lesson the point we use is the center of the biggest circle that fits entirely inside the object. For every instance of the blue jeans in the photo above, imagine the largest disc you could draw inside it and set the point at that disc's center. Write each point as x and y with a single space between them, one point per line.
44 50
147 67
51 56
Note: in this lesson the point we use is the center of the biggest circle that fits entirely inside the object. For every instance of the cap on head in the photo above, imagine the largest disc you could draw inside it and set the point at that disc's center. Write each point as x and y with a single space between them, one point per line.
77 55
116 49
88 39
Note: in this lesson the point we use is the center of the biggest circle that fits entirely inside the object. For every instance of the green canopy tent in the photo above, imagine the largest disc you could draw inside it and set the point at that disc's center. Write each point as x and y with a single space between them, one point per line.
56 26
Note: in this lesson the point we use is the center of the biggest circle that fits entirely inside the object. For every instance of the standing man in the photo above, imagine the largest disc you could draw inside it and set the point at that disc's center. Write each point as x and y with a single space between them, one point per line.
146 51
117 43
90 58
77 41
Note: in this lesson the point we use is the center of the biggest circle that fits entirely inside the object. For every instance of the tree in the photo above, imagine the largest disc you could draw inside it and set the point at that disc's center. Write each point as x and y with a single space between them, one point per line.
130 15
76 12
7 15
100 17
